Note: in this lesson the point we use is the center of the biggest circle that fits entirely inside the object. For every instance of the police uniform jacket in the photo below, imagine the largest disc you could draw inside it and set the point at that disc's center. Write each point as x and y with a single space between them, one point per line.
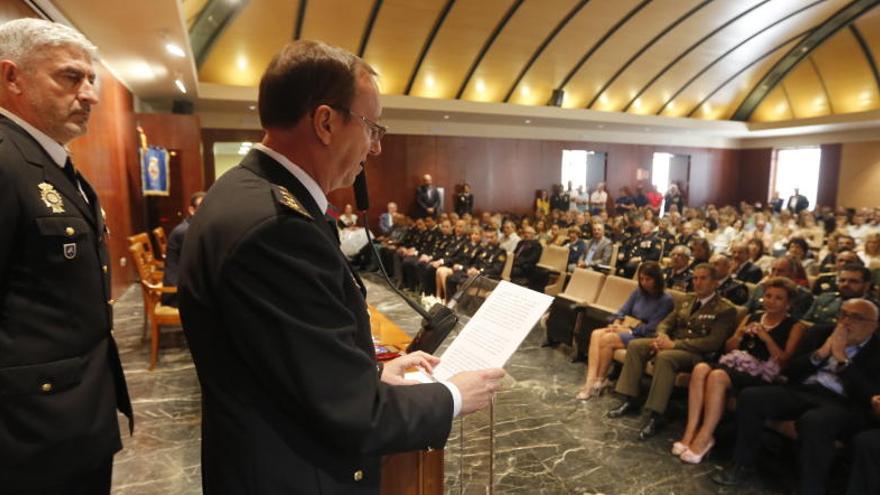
826 282
649 247
490 261
279 331
453 247
682 280
749 272
705 330
61 380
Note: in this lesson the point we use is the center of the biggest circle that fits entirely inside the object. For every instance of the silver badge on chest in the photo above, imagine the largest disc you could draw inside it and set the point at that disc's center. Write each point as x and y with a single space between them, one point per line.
70 251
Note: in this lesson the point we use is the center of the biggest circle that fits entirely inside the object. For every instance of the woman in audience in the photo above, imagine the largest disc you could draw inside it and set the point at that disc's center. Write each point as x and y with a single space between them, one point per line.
757 351
649 303
556 238
870 254
542 202
348 218
541 229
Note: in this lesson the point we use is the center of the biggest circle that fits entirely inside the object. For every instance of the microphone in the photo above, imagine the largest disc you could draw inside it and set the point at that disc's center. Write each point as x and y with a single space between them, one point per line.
436 323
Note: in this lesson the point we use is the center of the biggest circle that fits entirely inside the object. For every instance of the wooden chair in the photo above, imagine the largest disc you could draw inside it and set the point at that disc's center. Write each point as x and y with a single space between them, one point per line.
615 292
156 314
161 241
555 260
144 240
584 286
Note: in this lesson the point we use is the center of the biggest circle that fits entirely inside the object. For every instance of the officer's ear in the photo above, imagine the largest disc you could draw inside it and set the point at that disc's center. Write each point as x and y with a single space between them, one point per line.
11 75
324 122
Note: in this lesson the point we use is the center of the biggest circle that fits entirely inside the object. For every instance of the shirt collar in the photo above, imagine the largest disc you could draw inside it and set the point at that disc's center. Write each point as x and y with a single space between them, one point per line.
310 184
706 299
56 151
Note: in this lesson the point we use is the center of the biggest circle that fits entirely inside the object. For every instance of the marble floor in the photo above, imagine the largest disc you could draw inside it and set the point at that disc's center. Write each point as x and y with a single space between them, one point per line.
544 441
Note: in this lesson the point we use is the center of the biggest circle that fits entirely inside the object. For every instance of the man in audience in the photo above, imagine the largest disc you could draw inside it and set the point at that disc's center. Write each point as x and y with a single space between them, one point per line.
442 255
829 392
646 247
575 247
864 476
175 245
488 263
509 238
701 251
597 250
693 332
743 269
679 275
432 249
797 202
61 382
783 267
827 282
427 198
525 257
729 287
386 220
853 281
293 399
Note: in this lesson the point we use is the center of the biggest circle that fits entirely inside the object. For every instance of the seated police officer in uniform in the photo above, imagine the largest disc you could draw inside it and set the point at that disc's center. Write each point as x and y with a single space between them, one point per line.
679 275
646 247
853 280
693 332
488 262
827 282
743 268
293 399
61 379
734 290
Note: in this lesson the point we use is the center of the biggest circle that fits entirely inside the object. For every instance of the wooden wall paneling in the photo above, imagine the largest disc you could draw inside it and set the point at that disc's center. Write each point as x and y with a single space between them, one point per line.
15 9
829 175
183 134
754 168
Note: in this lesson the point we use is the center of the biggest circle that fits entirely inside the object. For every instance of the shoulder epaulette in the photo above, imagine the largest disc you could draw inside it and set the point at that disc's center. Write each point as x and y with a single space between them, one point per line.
286 198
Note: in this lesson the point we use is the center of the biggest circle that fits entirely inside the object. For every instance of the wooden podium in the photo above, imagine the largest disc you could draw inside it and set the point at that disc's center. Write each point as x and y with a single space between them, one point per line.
409 473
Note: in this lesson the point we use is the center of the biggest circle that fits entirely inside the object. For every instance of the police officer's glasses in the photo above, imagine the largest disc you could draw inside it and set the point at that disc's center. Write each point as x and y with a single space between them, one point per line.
377 132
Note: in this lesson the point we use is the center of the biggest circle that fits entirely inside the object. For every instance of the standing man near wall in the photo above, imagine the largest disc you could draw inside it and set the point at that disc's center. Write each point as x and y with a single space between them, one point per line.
61 380
294 401
427 198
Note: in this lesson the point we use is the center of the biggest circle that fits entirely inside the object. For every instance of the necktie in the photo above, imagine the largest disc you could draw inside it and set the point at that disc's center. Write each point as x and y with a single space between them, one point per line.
697 306
70 172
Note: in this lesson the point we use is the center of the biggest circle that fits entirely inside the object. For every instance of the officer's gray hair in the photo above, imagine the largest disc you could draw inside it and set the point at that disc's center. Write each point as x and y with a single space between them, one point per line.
21 39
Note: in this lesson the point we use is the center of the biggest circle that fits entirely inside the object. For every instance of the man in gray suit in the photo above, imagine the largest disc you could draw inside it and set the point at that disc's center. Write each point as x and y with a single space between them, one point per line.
598 249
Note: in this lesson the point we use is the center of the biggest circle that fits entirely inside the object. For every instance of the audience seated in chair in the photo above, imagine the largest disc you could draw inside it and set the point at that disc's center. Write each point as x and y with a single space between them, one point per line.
649 304
756 353
175 245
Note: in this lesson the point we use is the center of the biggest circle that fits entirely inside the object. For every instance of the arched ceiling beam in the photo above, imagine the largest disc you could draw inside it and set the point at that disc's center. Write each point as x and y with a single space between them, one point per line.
487 45
629 15
212 20
645 48
371 21
866 50
747 67
300 19
428 42
543 46
821 83
731 50
839 20
690 49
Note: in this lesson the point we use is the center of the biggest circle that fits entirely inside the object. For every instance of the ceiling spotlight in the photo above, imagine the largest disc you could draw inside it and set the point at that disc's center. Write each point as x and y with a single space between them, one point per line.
446 117
252 107
180 86
481 86
175 49
429 81
528 121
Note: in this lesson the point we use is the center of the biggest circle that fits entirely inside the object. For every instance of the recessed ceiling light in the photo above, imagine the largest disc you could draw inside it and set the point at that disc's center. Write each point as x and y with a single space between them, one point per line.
180 86
175 49
528 121
481 86
446 117
242 62
429 81
252 107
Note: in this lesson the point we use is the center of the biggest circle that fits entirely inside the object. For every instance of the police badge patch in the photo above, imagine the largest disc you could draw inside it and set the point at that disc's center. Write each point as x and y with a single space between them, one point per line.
51 197
70 251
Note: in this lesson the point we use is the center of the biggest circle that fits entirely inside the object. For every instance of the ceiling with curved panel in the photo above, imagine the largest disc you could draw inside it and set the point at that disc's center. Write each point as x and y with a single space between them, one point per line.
706 59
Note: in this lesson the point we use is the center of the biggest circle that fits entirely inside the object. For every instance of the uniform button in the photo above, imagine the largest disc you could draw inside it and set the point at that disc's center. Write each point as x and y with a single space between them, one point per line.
111 302
104 268
46 387
69 231
358 475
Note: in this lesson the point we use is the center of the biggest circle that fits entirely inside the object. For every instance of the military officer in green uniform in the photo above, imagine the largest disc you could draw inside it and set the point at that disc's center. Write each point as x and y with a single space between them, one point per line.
693 332
853 281
827 282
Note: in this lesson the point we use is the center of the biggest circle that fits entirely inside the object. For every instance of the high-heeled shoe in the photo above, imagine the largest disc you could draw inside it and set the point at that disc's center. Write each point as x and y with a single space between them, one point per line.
586 393
690 457
603 386
678 448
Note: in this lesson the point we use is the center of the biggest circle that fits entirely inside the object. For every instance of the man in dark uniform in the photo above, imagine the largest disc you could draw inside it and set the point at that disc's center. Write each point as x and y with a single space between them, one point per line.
61 380
463 258
435 243
427 272
743 268
294 401
525 257
647 247
175 245
827 282
679 275
427 198
729 287
489 262
853 281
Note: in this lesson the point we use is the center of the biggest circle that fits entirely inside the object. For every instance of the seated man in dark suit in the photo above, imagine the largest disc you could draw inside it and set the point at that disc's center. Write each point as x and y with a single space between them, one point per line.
175 244
729 287
525 257
743 268
679 275
828 394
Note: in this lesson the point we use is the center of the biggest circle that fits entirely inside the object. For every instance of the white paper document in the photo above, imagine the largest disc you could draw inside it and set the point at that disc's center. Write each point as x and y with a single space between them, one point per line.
495 331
